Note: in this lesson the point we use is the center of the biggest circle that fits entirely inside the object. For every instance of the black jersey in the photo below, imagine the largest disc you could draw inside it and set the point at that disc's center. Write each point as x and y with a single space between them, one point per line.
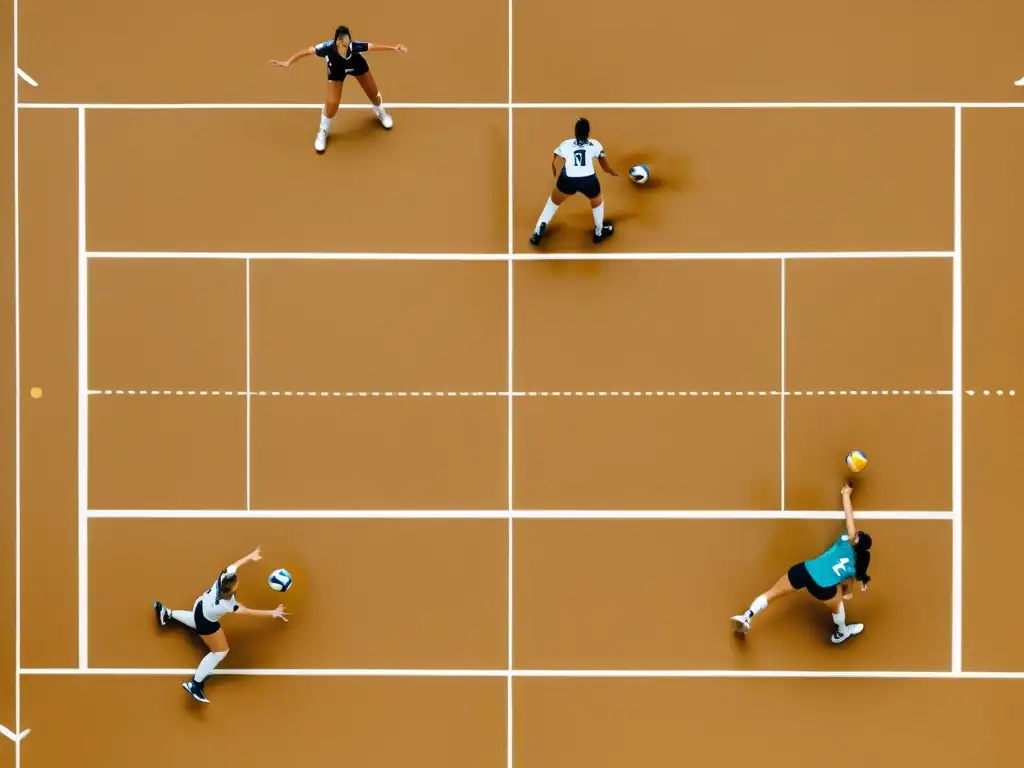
337 65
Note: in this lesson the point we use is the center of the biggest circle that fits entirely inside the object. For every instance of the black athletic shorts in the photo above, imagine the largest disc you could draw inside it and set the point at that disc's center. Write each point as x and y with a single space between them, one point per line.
203 625
589 186
357 68
800 578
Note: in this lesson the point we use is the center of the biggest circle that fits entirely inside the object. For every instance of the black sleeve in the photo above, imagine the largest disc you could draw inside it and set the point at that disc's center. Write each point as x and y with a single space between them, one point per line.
323 48
358 47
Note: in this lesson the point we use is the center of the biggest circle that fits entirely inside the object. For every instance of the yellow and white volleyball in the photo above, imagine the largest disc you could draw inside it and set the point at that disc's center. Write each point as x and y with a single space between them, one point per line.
280 580
856 461
639 174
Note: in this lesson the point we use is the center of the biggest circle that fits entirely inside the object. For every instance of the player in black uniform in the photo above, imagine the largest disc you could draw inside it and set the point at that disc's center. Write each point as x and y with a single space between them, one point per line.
344 57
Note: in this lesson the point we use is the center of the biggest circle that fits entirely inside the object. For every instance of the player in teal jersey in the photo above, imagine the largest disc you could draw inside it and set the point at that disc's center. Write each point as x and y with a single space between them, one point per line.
826 577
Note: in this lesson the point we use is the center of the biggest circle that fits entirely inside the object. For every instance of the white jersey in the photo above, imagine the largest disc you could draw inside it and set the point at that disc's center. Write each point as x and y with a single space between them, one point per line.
214 610
579 158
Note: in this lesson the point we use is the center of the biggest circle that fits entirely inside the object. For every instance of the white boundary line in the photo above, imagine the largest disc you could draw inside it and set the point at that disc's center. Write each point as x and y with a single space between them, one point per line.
503 257
678 393
593 105
83 409
248 387
16 195
510 386
955 516
782 387
503 514
258 107
956 636
564 674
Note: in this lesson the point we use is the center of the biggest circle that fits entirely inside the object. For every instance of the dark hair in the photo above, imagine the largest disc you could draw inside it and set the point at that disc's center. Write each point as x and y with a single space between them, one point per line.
225 580
863 557
342 31
582 130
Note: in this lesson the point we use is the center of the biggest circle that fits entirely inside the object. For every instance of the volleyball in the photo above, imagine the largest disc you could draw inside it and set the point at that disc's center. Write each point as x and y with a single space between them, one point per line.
856 461
280 580
639 174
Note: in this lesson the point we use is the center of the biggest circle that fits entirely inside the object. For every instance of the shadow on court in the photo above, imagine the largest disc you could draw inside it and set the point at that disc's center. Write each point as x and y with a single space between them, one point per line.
626 204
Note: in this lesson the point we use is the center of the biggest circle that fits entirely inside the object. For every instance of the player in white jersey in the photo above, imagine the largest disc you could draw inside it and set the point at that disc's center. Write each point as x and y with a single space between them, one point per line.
578 174
207 611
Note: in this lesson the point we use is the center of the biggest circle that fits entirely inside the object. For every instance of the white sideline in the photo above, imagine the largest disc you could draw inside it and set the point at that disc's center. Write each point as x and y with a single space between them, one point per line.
637 674
504 257
503 514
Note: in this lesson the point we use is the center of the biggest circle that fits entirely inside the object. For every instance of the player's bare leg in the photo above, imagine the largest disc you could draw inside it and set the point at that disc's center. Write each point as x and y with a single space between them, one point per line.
218 645
601 228
843 631
369 86
782 587
550 209
331 102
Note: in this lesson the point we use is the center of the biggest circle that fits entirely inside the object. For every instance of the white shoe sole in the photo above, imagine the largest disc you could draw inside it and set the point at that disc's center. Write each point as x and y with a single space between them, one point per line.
201 700
851 631
385 120
739 625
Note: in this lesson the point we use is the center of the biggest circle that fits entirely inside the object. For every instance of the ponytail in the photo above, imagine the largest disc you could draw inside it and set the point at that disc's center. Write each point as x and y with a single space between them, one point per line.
582 130
862 548
225 579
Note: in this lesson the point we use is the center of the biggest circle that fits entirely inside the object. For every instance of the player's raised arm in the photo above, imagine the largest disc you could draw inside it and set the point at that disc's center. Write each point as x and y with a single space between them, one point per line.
252 557
851 526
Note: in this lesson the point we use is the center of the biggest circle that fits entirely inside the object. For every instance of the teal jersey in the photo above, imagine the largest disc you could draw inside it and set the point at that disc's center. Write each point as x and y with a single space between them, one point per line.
835 564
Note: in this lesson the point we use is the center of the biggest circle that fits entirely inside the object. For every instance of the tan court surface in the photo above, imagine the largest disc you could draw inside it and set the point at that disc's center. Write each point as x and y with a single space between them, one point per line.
521 491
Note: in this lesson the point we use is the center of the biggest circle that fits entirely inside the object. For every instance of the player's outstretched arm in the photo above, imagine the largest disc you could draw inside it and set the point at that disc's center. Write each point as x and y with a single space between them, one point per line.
277 613
378 47
293 58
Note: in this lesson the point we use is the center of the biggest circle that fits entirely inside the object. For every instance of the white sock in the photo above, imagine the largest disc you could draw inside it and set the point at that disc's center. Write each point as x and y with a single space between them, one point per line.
598 218
840 618
184 617
378 107
325 122
550 209
759 604
208 664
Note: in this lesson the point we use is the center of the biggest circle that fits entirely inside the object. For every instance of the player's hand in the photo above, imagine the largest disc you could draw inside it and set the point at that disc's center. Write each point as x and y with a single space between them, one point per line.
401 48
255 555
847 488
280 613
283 64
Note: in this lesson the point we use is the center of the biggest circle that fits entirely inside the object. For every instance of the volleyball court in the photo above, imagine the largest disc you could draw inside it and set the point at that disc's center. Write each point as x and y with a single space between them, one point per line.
520 493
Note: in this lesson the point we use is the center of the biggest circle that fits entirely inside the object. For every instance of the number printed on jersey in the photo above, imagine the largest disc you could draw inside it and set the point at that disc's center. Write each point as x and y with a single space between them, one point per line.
579 158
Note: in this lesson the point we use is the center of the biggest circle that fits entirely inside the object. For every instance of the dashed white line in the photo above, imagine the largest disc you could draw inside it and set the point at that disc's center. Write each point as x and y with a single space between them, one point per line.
557 393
